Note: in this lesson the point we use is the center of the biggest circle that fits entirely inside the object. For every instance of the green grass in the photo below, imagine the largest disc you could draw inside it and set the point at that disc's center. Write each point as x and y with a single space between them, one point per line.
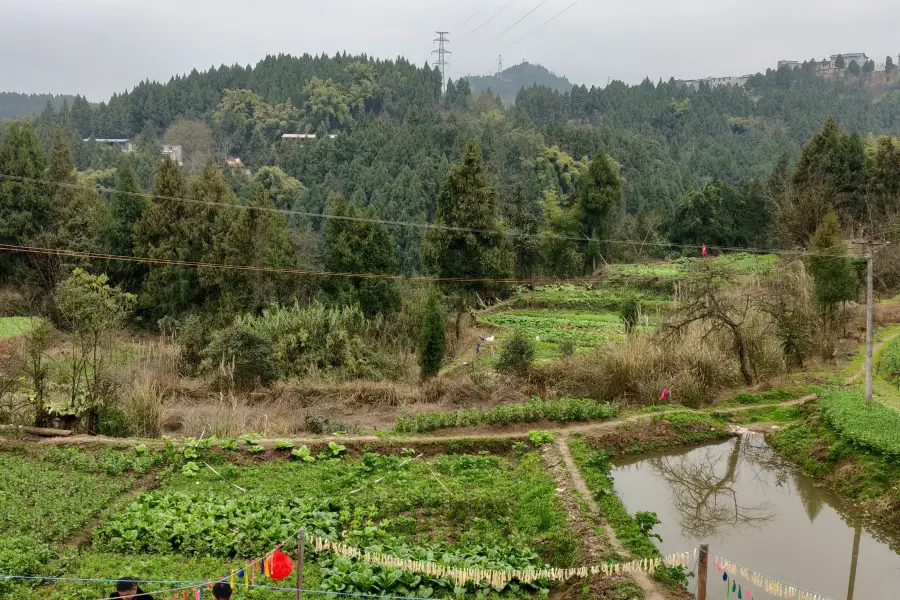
11 327
582 298
595 469
875 427
768 397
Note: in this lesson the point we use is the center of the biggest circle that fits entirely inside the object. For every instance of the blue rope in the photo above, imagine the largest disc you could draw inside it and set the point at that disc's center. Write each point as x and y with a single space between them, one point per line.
193 584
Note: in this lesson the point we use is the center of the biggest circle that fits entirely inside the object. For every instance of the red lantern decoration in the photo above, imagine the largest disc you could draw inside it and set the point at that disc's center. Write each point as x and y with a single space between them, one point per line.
280 566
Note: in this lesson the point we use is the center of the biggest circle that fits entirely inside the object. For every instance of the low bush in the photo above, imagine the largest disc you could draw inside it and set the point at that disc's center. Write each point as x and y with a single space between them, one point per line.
516 355
246 355
562 410
874 427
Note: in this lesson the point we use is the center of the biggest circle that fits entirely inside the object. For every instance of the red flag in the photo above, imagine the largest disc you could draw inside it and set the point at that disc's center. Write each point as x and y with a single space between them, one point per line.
703 250
665 394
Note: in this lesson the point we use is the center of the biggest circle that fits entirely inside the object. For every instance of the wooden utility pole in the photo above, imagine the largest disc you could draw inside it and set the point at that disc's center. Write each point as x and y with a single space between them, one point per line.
869 314
300 564
702 566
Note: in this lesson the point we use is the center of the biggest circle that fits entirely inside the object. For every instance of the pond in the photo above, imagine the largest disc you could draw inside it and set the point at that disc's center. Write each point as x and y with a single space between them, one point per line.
758 512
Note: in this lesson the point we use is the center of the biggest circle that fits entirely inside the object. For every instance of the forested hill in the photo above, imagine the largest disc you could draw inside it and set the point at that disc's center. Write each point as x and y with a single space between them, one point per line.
508 82
396 136
14 105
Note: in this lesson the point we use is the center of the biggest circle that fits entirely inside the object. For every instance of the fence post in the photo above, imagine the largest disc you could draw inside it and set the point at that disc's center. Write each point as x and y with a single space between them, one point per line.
300 564
701 571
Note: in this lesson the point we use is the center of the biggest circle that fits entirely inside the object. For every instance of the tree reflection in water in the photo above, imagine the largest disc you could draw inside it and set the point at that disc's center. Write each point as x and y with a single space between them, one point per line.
704 490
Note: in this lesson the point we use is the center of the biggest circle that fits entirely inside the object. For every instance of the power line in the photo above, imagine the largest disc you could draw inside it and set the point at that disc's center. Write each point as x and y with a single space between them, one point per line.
475 14
528 14
320 273
427 226
547 22
491 18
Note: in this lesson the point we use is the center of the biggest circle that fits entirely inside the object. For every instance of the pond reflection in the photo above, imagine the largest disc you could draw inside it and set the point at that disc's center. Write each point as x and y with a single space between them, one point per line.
756 510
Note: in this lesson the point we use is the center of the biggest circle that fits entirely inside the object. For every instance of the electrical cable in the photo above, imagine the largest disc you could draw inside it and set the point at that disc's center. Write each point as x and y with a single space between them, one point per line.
425 226
491 18
547 22
502 33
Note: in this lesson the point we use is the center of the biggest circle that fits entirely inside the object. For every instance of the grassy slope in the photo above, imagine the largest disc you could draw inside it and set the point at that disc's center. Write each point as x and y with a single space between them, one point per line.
14 326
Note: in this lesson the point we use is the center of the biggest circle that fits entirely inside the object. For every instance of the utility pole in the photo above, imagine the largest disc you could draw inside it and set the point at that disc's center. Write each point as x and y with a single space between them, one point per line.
869 313
442 53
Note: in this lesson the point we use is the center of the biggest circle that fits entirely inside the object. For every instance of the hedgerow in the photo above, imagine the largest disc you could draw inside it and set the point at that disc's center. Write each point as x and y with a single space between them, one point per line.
562 410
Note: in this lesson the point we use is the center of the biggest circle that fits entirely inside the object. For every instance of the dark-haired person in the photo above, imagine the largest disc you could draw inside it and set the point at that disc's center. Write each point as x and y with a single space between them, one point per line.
127 587
222 591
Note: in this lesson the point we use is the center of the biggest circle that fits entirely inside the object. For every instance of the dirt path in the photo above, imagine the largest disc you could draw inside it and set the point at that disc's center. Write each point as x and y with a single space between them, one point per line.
651 589
101 441
876 348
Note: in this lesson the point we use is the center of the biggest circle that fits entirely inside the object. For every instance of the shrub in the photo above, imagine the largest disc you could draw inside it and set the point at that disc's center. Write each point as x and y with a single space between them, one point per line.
630 313
249 355
432 339
566 348
192 337
113 422
317 338
516 355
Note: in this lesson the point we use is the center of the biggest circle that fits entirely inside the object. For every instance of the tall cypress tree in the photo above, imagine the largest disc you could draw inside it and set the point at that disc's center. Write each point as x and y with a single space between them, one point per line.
468 242
599 192
356 244
25 206
126 207
833 277
432 340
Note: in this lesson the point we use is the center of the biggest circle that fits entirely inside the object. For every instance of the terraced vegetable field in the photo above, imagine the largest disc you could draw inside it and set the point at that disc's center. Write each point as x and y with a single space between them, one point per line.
470 511
586 330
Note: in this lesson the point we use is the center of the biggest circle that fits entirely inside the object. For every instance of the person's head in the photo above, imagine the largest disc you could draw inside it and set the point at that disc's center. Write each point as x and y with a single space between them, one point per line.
126 587
222 591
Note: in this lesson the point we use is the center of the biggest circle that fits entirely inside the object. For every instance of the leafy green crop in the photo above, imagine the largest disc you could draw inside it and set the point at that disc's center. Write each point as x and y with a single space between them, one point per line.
539 437
562 410
874 427
889 365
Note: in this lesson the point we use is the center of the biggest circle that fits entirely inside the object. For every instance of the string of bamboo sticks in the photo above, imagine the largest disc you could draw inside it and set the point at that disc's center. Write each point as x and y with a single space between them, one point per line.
771 586
497 579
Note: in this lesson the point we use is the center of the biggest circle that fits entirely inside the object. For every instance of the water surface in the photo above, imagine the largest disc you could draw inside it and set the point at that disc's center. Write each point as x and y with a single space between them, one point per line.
757 511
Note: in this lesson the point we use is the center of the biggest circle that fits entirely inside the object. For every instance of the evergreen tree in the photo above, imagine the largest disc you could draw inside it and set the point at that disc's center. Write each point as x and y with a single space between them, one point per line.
524 227
889 65
833 277
256 236
432 339
169 229
599 192
854 68
467 242
839 62
126 207
355 244
25 206
869 67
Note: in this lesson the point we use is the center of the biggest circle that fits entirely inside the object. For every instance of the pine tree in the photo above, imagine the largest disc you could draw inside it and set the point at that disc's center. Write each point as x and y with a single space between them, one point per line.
599 193
255 236
889 65
432 340
355 244
467 242
126 207
833 278
524 226
25 206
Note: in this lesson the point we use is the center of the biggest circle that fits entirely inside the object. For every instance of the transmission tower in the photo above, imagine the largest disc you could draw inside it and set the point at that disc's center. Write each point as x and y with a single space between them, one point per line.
499 64
442 53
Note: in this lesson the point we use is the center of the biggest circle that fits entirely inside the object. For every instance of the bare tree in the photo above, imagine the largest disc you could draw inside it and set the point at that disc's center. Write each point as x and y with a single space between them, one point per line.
710 300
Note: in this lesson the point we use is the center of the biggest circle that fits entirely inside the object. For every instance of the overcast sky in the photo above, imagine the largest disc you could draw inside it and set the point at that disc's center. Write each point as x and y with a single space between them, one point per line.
97 47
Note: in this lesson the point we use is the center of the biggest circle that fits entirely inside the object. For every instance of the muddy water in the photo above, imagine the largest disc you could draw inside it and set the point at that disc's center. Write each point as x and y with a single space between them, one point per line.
756 511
